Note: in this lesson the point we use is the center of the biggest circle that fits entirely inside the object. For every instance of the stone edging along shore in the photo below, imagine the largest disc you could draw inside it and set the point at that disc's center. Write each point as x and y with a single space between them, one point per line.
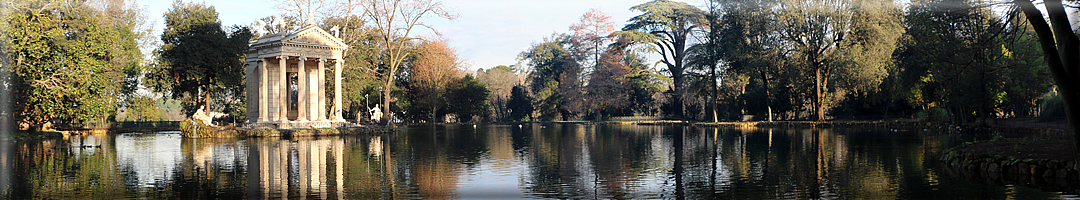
1009 164
999 164
188 130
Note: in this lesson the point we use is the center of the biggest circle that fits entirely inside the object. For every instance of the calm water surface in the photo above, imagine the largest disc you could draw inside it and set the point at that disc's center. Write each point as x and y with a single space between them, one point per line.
531 161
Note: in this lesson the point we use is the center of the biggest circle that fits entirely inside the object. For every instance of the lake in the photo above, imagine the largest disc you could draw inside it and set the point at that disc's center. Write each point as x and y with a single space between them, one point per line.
511 161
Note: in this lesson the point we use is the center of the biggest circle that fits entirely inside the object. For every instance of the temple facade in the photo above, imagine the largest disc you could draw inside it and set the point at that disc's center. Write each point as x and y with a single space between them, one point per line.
286 79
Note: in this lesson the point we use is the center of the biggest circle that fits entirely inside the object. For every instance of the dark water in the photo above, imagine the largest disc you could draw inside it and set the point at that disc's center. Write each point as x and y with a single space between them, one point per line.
537 161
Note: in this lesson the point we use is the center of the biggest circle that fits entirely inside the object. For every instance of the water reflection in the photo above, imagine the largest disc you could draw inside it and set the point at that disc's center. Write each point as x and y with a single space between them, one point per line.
531 161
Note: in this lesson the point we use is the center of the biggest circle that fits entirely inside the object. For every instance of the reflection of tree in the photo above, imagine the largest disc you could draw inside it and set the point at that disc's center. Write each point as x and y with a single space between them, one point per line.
200 176
545 177
568 161
56 168
617 155
558 161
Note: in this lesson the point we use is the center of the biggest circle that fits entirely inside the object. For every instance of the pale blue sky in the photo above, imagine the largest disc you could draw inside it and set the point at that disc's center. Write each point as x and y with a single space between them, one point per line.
487 32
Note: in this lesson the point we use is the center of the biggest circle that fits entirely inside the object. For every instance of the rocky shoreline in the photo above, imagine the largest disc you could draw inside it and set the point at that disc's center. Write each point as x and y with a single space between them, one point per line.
1011 165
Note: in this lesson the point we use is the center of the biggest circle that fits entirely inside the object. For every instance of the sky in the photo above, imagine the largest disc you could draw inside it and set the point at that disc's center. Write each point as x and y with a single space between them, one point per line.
486 33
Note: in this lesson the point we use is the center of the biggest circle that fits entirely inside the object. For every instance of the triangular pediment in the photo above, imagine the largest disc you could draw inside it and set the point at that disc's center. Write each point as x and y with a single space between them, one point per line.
313 35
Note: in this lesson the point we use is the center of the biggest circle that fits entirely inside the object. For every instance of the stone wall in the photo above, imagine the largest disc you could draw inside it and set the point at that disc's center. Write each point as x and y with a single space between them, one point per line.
1010 165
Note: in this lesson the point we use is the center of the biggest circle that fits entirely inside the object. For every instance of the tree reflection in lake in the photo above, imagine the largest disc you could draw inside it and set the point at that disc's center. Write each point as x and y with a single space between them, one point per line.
532 161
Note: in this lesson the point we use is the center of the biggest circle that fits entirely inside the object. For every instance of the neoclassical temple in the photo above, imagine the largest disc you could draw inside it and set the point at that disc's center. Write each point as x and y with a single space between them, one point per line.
286 79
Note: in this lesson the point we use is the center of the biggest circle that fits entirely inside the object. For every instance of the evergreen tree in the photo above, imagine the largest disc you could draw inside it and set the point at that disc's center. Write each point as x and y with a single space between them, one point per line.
198 58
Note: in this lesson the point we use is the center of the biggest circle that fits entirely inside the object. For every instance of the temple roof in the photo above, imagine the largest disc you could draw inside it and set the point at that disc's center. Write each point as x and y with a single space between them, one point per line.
309 35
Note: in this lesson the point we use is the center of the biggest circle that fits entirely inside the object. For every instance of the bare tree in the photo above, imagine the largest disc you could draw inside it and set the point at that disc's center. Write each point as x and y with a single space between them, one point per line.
591 34
436 66
395 21
304 10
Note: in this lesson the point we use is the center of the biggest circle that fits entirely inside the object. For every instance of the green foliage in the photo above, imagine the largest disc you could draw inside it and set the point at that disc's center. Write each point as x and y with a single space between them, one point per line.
550 62
520 105
501 81
668 25
868 48
1028 76
198 58
360 75
469 99
621 85
66 62
932 114
144 108
235 109
1052 107
962 57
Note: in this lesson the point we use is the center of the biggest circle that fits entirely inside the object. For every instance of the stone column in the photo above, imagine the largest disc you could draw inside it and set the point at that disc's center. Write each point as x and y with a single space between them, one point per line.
337 90
321 115
283 90
262 91
250 82
272 89
302 92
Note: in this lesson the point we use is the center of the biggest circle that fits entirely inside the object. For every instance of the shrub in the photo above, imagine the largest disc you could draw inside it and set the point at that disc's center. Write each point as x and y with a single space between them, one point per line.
1052 107
932 114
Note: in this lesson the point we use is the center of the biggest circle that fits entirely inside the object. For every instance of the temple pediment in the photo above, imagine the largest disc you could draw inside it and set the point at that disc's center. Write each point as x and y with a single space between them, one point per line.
313 35
310 35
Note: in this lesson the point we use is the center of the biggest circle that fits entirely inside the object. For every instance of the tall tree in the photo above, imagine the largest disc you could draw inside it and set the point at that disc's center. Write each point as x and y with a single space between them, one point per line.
66 62
519 105
852 37
668 25
958 47
609 87
552 64
1028 77
469 98
590 35
1061 46
743 35
394 20
501 81
432 73
816 29
132 24
197 57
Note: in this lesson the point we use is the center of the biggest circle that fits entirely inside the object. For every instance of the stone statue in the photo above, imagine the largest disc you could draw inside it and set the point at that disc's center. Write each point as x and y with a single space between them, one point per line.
376 114
279 24
201 115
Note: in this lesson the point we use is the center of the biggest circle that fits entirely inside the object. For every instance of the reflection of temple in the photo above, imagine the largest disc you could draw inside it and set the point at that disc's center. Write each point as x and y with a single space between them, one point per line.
286 79
306 164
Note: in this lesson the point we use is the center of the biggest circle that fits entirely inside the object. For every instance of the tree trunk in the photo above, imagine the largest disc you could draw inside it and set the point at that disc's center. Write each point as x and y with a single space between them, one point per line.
712 100
206 108
819 100
1061 48
768 97
386 100
676 95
